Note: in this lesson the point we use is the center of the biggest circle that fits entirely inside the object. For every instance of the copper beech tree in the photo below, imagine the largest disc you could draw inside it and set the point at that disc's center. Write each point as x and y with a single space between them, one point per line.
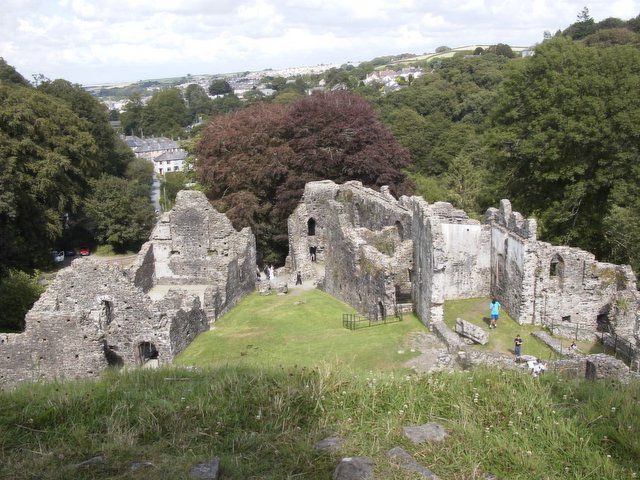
255 162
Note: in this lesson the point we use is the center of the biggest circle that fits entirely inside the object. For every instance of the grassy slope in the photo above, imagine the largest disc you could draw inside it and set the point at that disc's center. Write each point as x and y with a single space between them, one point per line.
263 425
304 330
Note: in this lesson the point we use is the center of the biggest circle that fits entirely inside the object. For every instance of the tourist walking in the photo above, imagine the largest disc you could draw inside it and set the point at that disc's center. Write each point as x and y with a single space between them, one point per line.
272 272
494 306
518 345
298 279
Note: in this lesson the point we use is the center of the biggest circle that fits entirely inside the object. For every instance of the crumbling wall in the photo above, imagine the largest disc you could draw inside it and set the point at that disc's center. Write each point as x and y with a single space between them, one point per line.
362 241
563 288
142 271
193 244
451 257
96 315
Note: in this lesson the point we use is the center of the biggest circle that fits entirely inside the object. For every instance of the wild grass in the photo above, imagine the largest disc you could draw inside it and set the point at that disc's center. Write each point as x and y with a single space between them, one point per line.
263 424
299 330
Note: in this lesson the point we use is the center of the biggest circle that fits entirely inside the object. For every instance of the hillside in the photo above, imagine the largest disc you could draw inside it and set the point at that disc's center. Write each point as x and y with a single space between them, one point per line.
277 374
264 425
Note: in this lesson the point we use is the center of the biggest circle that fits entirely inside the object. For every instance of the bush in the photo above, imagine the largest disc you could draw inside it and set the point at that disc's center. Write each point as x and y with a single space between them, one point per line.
18 292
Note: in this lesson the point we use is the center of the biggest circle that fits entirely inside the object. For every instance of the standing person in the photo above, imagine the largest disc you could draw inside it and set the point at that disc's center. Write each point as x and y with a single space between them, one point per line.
272 272
518 344
258 272
298 279
494 306
266 272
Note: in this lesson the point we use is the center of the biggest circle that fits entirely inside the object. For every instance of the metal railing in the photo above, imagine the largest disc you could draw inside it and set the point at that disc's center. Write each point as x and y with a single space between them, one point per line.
355 321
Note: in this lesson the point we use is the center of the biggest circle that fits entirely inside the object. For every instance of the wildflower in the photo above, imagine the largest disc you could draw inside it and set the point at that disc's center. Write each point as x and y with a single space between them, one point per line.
564 397
529 452
613 409
608 456
510 423
401 412
519 414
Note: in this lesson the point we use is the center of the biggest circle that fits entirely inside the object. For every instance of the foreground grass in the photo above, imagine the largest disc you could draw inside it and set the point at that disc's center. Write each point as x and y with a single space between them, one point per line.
299 330
263 425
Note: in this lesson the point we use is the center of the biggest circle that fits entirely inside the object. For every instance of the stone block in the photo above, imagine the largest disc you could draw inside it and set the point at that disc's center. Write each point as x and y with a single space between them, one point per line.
471 331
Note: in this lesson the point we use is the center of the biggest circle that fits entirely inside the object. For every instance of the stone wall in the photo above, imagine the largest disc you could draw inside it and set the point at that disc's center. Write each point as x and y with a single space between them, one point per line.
563 288
451 257
362 242
96 315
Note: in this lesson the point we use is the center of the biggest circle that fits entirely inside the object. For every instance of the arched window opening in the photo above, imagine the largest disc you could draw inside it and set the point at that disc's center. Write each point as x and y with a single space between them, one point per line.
556 267
106 315
311 227
147 351
400 229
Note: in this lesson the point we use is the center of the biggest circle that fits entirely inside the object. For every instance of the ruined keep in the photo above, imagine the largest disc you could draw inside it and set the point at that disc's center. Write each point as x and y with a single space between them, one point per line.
195 267
380 254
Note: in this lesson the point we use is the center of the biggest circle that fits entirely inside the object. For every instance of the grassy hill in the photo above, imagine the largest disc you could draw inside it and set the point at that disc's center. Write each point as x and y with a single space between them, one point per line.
280 373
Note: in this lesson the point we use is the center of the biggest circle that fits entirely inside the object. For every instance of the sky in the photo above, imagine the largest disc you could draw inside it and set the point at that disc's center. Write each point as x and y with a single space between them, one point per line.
106 41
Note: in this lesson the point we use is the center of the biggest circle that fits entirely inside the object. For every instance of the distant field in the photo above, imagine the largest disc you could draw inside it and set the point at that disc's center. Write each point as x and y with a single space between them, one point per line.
303 329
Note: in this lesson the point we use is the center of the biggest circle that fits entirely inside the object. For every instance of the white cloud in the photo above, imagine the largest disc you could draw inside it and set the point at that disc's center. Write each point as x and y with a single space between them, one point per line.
87 40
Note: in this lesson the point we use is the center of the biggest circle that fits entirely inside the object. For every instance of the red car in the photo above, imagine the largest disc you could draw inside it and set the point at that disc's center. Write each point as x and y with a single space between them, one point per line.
84 251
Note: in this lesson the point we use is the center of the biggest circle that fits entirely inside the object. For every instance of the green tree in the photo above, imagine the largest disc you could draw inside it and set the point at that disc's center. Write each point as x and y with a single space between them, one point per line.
131 117
48 155
226 104
198 102
583 27
18 292
565 140
9 75
122 219
220 87
112 155
165 114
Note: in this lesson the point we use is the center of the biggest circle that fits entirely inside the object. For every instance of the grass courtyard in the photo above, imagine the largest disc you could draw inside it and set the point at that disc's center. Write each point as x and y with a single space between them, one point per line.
476 311
300 329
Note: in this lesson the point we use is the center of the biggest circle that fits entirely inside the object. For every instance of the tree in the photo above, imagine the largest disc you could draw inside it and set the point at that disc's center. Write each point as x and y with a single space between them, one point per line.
131 117
220 87
226 104
9 75
583 27
122 219
18 292
478 51
255 162
165 114
502 49
112 154
198 102
565 141
48 156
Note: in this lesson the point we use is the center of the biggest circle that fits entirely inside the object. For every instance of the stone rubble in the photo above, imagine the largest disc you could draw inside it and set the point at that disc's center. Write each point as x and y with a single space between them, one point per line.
429 432
407 462
354 468
471 331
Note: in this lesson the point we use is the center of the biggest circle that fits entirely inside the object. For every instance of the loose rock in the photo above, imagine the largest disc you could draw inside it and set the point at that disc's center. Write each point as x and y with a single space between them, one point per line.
330 444
206 471
406 461
429 432
354 468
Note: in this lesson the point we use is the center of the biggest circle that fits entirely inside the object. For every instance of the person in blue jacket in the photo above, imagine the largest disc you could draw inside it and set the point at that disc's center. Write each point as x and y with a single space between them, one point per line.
494 306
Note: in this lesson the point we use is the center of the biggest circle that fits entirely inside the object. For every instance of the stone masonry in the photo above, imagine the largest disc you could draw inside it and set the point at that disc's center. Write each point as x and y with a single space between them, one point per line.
376 252
96 315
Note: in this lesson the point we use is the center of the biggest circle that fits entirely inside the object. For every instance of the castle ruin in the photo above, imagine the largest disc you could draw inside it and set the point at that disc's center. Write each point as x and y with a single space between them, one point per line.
194 268
380 254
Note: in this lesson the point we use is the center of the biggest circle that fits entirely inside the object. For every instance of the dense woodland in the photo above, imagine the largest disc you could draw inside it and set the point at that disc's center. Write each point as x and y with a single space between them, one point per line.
556 133
65 178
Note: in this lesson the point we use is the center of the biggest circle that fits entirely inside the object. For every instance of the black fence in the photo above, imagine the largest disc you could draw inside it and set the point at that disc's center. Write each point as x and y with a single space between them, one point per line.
354 321
620 348
613 344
